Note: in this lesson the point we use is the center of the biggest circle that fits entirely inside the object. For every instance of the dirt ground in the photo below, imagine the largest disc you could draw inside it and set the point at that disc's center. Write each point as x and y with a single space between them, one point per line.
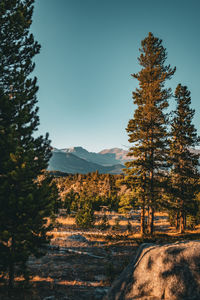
82 264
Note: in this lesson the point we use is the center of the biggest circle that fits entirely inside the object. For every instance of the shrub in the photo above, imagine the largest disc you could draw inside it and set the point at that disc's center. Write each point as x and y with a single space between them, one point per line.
85 217
104 223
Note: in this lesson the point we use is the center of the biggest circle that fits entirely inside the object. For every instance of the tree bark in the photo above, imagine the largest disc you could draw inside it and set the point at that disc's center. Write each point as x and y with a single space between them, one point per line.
151 208
142 221
148 217
185 220
11 270
11 273
181 224
151 221
177 220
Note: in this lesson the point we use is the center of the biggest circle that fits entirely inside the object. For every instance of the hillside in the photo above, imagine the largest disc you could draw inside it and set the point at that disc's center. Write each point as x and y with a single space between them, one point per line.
79 160
70 163
107 157
118 153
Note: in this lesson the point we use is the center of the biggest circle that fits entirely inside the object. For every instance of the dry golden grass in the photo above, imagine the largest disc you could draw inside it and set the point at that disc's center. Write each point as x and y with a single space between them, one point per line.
35 278
112 219
66 221
118 226
61 282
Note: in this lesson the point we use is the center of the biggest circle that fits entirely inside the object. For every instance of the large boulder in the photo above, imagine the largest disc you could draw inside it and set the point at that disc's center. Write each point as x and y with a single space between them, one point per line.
169 272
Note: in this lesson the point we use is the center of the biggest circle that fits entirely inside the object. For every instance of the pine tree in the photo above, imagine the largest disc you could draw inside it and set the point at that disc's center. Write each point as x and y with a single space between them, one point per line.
127 202
184 171
147 130
25 201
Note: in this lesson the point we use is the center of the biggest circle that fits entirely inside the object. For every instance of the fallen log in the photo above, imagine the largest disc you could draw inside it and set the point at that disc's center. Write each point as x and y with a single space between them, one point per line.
62 249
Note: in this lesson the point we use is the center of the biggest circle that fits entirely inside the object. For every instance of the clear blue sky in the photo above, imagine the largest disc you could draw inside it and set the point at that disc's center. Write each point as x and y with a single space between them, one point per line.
90 48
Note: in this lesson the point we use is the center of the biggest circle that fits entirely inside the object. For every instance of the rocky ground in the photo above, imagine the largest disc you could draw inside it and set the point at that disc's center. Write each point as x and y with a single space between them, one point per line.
83 268
81 264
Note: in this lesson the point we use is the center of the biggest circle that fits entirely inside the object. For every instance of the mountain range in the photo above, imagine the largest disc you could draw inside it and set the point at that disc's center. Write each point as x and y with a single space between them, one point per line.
79 160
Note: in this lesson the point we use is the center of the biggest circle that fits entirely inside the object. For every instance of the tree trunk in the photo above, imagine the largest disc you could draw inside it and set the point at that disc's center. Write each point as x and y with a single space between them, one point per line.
11 268
11 273
148 217
181 224
151 209
142 221
185 221
177 220
151 221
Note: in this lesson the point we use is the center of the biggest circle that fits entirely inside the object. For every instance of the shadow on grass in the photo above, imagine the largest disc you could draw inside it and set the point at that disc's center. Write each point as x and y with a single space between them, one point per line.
162 238
48 290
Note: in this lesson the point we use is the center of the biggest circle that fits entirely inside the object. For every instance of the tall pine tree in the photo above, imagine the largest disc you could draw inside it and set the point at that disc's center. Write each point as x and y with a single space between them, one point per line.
184 170
25 202
147 130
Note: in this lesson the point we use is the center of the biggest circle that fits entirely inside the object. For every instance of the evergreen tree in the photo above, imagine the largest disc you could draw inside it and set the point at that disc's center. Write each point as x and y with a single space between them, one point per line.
70 201
184 171
85 217
25 201
127 202
147 130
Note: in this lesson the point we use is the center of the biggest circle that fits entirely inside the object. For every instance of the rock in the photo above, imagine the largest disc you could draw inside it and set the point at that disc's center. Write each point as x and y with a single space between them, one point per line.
168 272
78 238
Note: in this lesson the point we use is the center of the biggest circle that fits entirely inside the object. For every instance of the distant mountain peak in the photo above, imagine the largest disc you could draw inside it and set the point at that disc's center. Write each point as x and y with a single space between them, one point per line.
113 150
72 160
77 149
79 160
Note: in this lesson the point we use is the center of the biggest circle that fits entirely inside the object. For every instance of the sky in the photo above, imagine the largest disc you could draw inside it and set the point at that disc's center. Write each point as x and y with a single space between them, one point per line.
89 51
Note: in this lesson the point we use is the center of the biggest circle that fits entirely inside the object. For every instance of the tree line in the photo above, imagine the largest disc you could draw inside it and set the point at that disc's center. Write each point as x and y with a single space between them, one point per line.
83 194
93 189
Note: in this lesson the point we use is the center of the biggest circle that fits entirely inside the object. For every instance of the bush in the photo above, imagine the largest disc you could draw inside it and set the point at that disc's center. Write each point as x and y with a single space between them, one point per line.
85 217
116 226
172 217
129 227
104 223
191 221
